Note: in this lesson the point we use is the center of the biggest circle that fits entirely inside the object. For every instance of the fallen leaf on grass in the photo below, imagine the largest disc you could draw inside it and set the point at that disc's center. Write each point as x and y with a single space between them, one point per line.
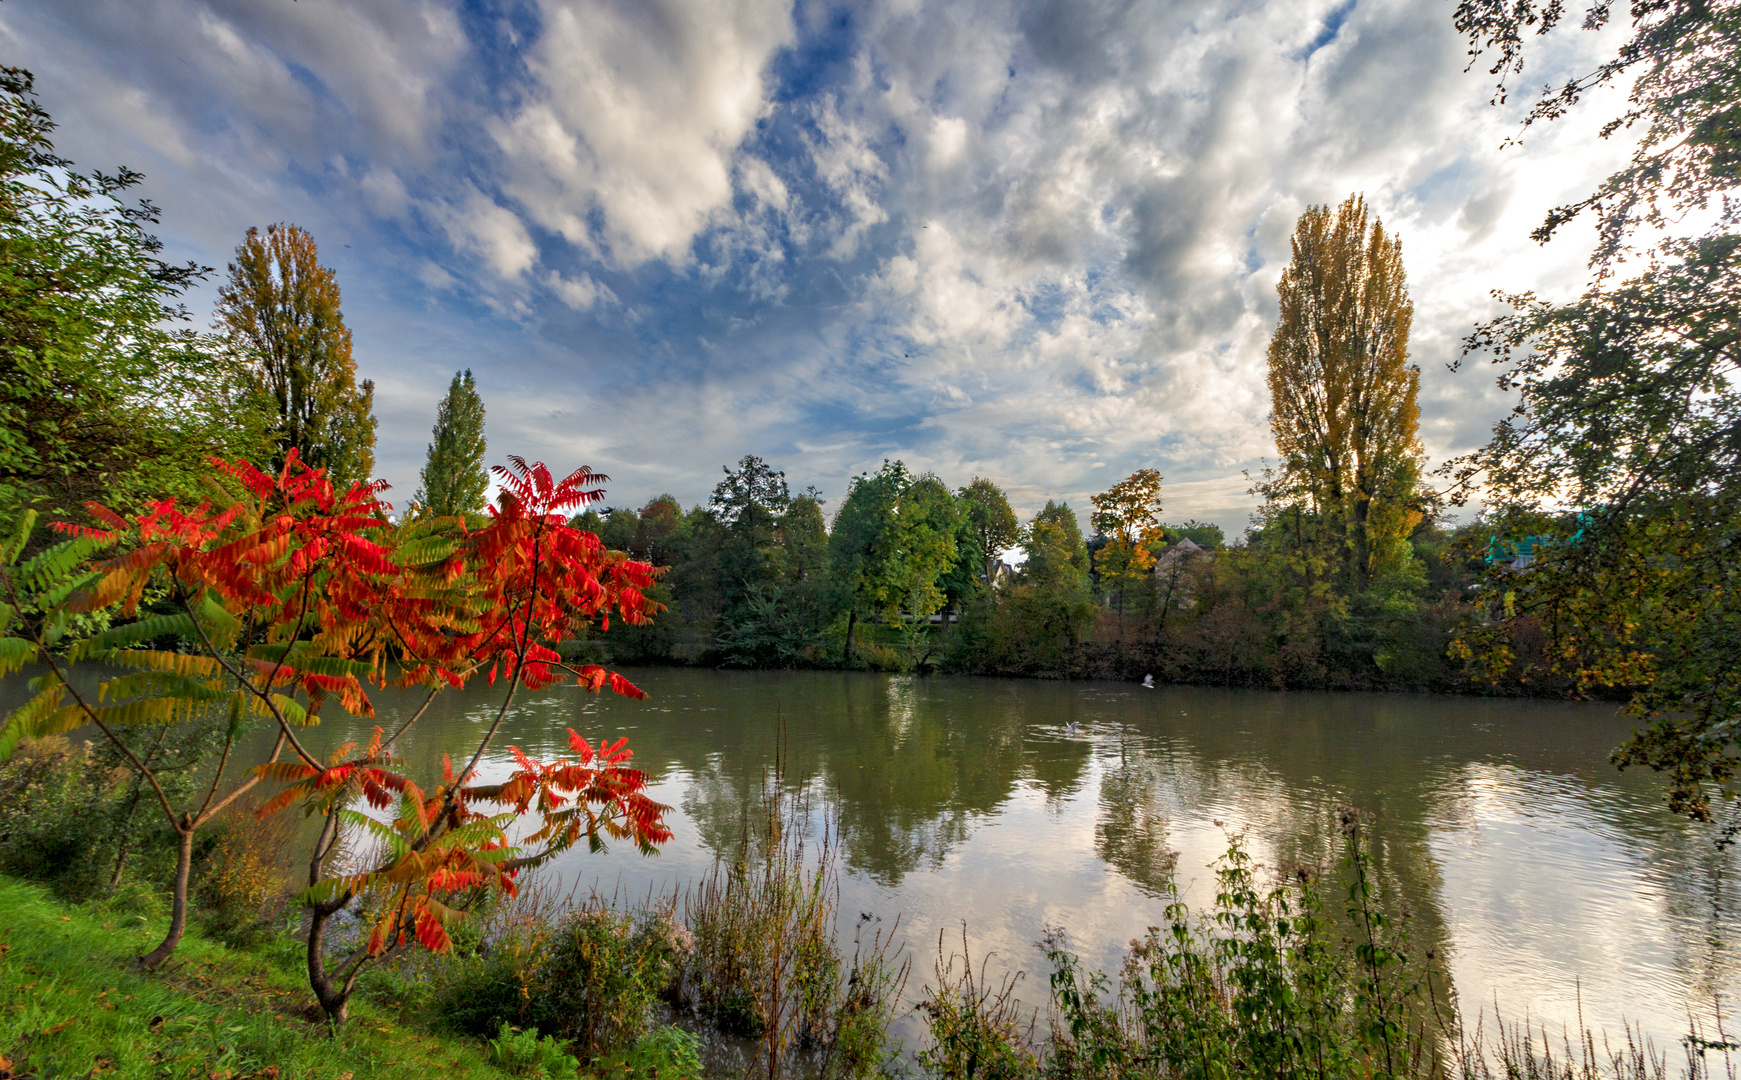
66 918
60 1027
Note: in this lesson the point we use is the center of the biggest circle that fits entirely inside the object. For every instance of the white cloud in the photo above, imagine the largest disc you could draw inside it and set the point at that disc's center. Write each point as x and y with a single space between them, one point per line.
494 233
1037 242
579 293
626 142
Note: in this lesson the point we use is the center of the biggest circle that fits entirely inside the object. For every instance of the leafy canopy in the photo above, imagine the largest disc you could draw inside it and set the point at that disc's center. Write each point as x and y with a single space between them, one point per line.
280 310
1621 463
102 395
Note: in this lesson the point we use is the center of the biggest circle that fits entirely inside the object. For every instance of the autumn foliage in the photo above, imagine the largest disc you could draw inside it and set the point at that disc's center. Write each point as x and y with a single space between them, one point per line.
296 595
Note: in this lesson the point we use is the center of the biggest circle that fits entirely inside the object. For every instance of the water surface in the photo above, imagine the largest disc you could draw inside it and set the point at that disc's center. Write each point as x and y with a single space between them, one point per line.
1540 871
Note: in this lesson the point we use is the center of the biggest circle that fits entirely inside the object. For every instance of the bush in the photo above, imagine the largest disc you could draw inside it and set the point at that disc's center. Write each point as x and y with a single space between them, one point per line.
665 1053
525 1053
243 888
975 1030
603 973
476 991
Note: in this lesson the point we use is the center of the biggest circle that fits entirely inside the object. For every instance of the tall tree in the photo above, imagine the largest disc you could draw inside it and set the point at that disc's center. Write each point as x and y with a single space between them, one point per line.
990 521
1342 390
804 536
454 480
102 396
1622 460
929 519
864 545
280 309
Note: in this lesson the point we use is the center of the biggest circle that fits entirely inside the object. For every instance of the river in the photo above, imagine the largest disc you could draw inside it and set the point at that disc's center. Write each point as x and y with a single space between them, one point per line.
1549 881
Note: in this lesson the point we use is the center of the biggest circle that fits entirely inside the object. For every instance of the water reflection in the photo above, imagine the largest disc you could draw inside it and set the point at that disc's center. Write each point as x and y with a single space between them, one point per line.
1519 851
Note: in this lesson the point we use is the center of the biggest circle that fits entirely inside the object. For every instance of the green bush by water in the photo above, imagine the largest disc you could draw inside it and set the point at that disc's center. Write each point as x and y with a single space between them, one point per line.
530 1055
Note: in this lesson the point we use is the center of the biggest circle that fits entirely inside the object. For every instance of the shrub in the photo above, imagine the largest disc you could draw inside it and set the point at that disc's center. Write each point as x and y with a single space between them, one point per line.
603 972
525 1053
665 1053
243 886
476 991
975 1030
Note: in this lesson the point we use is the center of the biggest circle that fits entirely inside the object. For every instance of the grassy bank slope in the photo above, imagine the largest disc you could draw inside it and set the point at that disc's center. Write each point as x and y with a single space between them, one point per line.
73 1004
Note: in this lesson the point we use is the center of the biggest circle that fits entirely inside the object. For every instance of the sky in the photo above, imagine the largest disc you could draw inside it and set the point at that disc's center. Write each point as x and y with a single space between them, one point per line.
1036 242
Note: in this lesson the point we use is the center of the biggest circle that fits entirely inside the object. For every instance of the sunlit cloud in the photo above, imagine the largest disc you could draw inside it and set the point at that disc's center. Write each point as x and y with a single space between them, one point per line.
1031 241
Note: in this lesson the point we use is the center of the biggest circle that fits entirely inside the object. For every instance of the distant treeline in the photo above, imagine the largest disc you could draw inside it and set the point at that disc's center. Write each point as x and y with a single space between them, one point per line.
907 574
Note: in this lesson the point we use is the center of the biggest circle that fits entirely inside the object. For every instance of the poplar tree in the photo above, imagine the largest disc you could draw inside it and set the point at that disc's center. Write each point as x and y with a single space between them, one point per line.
1342 389
454 478
280 309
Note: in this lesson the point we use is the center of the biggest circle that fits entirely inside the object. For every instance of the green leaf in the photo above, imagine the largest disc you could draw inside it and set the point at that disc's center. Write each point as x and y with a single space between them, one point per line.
425 551
220 625
158 684
15 653
380 830
294 713
30 719
50 567
134 633
10 550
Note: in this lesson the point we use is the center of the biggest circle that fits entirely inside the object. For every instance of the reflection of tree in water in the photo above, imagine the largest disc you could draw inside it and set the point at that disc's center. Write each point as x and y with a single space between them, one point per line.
912 767
1136 811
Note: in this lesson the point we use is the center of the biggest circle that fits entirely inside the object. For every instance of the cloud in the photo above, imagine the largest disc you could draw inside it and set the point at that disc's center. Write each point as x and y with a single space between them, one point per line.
494 233
1033 241
626 142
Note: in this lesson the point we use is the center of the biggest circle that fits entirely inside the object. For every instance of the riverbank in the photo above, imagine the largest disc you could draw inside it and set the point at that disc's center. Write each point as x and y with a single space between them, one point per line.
74 1003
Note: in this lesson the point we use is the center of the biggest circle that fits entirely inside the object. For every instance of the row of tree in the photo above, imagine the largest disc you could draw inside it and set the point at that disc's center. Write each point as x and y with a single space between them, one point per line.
1604 563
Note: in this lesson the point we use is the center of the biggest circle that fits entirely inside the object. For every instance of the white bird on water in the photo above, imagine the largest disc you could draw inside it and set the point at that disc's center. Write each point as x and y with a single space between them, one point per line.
1072 728
1148 682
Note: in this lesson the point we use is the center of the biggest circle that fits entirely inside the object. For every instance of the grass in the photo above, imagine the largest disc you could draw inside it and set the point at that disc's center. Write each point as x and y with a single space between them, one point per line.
73 1004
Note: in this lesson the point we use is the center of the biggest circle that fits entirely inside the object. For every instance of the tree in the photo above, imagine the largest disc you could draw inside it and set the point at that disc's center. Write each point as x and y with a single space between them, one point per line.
1128 515
295 597
929 519
1057 557
454 480
280 310
864 545
1342 391
1622 459
756 483
102 396
804 536
989 520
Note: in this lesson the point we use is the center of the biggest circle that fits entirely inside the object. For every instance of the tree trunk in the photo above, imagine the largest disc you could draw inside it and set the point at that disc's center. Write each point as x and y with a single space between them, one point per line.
334 1000
1362 546
851 624
178 908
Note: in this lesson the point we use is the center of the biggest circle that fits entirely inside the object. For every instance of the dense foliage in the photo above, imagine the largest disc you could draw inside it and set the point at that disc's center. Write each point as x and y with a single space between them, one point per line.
103 393
296 597
280 312
1620 469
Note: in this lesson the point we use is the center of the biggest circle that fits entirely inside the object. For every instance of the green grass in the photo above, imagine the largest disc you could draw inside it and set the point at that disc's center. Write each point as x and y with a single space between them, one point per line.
74 1004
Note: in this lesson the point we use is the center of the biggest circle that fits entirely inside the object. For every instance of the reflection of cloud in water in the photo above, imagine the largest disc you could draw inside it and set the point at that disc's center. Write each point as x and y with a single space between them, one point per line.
1506 830
1548 893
